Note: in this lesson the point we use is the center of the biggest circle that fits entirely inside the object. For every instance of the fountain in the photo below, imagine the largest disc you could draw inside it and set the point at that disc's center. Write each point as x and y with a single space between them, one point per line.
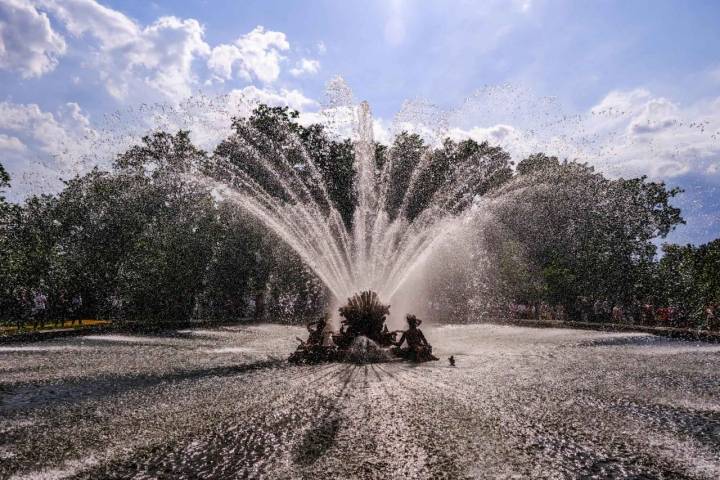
377 254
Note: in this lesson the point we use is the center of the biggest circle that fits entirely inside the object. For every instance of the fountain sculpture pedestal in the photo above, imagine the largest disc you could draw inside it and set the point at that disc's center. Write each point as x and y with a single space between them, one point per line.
363 337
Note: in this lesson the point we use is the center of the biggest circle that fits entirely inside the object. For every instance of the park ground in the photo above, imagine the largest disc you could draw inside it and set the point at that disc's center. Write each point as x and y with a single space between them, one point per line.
25 328
224 403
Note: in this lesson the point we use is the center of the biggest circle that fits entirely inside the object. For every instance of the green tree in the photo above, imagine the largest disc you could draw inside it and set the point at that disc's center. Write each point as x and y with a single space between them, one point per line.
589 235
164 273
687 279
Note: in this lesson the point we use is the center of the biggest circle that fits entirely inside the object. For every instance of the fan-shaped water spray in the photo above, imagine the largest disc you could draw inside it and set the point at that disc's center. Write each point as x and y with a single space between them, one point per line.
287 194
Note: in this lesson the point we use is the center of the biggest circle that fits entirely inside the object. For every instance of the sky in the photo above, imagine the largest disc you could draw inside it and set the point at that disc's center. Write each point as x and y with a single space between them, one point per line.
632 87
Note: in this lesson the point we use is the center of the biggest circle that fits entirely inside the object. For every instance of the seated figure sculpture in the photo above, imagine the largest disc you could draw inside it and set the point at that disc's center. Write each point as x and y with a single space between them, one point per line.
418 349
314 350
316 329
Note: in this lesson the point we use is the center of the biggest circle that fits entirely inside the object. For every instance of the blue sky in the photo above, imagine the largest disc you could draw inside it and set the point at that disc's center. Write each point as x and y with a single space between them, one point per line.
643 78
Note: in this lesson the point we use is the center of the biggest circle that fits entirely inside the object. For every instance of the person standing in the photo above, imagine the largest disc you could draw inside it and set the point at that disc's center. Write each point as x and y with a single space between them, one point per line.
40 306
75 307
711 316
648 313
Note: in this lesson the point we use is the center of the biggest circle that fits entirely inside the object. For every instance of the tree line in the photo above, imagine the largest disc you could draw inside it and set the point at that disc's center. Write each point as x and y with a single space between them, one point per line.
144 242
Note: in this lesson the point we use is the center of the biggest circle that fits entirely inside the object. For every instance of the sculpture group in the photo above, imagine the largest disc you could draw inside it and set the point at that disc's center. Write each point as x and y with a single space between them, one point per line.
363 336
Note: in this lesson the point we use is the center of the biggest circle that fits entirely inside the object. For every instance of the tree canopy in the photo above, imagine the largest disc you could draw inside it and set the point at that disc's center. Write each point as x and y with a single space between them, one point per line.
145 241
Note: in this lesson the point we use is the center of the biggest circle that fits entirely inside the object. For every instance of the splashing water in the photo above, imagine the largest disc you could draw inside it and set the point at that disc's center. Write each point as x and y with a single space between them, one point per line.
378 252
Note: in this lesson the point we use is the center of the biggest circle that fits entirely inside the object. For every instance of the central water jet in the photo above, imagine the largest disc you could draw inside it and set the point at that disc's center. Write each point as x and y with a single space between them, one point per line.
378 251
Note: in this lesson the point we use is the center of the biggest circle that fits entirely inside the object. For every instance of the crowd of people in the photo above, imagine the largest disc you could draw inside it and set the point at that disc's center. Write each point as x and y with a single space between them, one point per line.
36 308
603 311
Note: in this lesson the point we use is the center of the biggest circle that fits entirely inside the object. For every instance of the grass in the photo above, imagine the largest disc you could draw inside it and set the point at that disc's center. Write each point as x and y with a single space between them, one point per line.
66 325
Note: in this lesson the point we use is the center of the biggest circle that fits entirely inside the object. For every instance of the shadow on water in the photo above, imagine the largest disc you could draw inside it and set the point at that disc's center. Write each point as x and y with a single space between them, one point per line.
27 396
317 440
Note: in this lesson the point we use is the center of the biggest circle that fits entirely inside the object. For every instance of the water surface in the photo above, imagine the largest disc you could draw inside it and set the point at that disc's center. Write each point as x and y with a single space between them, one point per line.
223 403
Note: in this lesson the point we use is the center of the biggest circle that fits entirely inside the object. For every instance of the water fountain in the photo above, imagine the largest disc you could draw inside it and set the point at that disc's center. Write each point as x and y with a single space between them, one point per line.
379 252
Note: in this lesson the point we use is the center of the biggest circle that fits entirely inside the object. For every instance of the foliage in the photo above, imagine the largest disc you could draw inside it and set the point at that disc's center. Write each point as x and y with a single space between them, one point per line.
4 183
589 235
688 279
145 241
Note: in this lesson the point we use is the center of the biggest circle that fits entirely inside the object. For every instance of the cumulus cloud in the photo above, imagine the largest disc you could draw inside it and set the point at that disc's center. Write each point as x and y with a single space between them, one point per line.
161 55
128 55
168 56
207 118
283 97
254 55
28 44
655 116
643 134
621 102
39 146
208 126
110 27
11 144
166 50
494 135
627 133
56 134
305 67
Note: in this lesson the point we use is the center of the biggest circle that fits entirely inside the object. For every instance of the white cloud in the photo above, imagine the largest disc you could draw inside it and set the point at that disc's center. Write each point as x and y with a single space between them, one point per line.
11 144
381 132
283 97
656 115
110 27
62 134
30 120
130 57
517 142
321 48
40 146
638 133
166 50
28 44
208 118
627 133
305 67
209 126
495 135
617 101
254 55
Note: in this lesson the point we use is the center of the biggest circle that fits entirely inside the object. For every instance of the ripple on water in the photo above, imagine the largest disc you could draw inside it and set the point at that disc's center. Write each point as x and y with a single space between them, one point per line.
551 404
